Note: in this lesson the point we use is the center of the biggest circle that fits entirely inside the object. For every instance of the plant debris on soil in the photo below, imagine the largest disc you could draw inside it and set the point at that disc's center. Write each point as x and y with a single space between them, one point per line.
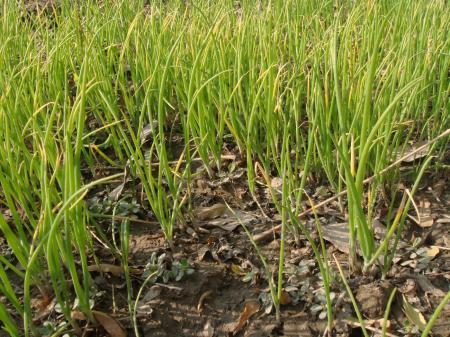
210 281
225 294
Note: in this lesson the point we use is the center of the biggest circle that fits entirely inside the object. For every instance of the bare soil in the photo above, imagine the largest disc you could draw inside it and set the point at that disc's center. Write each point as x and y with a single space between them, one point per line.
228 273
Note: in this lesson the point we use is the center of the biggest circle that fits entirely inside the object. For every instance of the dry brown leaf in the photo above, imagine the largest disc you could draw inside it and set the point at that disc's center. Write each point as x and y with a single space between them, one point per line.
147 131
414 315
202 252
237 270
117 192
40 303
111 326
111 269
408 287
445 219
230 220
45 307
432 252
152 293
209 213
377 323
208 329
201 301
106 268
251 308
212 239
427 286
285 298
140 243
226 225
417 155
77 315
218 217
423 210
338 235
426 221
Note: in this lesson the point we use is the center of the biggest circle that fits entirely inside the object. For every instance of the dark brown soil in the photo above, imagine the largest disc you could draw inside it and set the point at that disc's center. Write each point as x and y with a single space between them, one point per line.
227 272
219 256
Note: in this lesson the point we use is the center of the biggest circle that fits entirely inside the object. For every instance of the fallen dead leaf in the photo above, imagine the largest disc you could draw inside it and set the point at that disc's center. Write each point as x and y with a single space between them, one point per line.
432 252
40 303
152 293
444 219
212 240
427 286
425 218
426 221
226 225
276 182
111 269
220 216
209 213
77 315
338 235
146 243
237 270
408 287
285 298
111 326
170 287
106 268
201 301
117 192
414 315
208 329
409 155
251 308
45 308
147 131
377 323
230 220
202 252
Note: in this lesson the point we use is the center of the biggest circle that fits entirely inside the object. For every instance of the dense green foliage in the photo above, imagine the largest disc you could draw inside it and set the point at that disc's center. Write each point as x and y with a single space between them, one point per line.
333 88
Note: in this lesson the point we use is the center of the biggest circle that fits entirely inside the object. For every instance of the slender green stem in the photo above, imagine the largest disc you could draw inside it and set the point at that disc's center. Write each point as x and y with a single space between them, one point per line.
435 315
